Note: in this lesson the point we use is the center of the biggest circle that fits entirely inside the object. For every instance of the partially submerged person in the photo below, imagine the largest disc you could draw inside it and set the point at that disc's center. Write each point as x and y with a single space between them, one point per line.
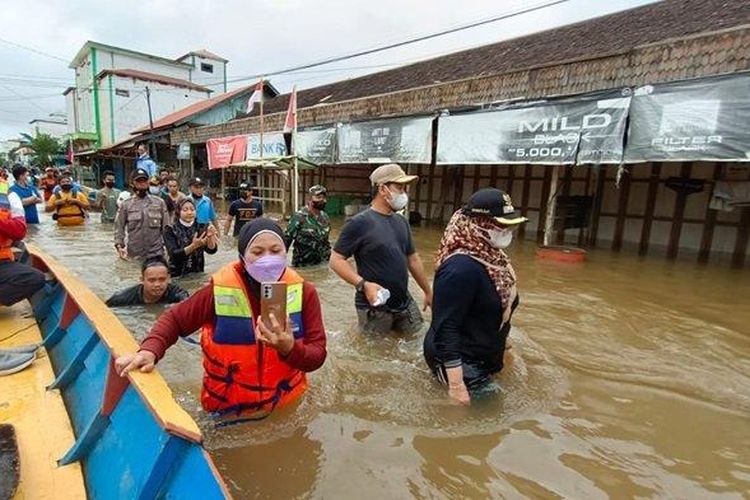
48 183
187 241
69 206
249 366
156 287
204 207
106 198
173 195
30 197
475 294
143 218
243 210
380 241
308 231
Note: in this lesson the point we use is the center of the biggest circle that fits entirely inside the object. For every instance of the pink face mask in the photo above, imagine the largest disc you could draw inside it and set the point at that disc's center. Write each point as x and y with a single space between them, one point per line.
267 269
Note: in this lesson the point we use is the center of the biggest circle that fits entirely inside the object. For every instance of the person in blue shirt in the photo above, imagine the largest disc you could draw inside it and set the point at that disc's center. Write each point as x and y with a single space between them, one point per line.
204 207
144 161
28 194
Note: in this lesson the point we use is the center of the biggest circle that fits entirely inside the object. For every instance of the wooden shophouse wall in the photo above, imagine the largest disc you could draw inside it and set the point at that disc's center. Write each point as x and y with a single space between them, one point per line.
643 213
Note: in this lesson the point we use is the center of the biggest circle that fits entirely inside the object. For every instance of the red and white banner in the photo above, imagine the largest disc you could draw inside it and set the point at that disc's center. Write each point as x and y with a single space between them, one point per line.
225 151
256 96
290 124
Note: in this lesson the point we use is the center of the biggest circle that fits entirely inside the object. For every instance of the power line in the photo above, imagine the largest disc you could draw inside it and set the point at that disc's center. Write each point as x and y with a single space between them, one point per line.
31 49
507 15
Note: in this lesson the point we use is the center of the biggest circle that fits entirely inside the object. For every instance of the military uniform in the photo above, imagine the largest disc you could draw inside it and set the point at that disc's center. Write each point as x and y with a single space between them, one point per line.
144 220
309 235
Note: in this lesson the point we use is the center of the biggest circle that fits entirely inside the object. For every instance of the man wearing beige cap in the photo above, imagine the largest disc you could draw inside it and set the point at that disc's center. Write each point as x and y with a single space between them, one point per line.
380 241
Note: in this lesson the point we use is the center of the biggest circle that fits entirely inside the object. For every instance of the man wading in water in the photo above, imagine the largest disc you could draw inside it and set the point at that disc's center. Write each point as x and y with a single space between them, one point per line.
380 241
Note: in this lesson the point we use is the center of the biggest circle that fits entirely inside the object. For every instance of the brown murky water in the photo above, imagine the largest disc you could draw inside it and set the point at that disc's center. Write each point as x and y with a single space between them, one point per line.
631 378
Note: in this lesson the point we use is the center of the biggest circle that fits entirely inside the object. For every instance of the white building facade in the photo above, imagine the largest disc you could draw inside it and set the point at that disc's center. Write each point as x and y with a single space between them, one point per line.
109 98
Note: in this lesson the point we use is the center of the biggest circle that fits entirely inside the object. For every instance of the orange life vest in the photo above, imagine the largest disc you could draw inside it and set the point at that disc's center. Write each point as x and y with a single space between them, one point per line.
242 376
6 252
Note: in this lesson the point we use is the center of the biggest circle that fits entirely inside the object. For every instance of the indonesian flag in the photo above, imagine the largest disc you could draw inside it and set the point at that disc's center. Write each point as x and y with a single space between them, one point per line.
290 125
71 155
257 96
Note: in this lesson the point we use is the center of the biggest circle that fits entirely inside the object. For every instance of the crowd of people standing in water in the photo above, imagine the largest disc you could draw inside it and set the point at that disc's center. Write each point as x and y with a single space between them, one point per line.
252 366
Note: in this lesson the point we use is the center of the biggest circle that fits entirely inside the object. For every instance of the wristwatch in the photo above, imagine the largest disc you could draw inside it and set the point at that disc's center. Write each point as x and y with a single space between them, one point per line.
360 287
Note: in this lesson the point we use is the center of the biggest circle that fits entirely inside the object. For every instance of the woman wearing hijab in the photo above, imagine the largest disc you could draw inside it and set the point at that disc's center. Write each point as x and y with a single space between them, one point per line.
474 294
187 241
250 367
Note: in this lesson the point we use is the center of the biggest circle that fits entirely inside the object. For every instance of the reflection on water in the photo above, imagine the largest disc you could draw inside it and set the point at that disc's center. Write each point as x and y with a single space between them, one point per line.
630 378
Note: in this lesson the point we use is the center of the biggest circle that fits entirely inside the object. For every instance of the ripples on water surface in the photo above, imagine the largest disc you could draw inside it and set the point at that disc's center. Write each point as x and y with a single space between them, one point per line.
631 377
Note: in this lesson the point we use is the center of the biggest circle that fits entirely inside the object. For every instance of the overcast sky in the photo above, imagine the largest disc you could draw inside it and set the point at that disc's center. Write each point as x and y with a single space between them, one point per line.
256 37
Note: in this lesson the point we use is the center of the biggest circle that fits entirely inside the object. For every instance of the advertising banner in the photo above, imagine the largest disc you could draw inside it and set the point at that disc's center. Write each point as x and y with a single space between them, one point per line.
273 145
224 151
704 119
584 130
316 145
406 140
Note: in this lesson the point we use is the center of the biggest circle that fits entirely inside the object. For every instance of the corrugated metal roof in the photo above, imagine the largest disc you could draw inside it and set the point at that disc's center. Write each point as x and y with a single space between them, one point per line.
192 110
153 77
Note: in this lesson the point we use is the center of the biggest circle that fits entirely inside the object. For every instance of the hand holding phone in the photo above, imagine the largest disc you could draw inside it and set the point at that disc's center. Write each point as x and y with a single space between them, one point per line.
274 328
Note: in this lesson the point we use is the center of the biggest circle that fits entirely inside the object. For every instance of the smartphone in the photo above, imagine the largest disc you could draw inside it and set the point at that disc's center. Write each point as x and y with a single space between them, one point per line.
273 300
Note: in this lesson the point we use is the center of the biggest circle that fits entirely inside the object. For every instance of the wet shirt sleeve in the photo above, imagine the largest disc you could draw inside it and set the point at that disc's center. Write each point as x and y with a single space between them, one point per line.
128 297
454 290
180 320
120 222
309 353
174 294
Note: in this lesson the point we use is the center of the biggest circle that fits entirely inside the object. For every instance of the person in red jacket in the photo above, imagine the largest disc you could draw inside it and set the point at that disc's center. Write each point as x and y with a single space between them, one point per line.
17 281
250 367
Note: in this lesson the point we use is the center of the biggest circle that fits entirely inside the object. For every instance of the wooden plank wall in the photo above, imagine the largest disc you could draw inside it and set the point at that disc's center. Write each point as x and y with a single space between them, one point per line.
642 214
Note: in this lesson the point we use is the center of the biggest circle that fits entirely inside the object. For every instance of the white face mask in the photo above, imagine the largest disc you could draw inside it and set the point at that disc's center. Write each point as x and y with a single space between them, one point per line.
500 238
154 189
398 201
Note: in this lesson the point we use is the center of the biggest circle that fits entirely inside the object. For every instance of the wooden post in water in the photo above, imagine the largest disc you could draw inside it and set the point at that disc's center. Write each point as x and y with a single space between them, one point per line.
743 235
622 209
679 214
710 224
648 216
549 219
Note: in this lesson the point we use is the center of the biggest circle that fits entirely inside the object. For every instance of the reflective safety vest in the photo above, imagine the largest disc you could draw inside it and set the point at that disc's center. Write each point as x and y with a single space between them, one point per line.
242 376
6 252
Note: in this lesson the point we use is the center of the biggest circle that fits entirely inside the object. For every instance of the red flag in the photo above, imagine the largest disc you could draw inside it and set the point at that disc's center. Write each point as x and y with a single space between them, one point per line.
257 96
71 155
290 125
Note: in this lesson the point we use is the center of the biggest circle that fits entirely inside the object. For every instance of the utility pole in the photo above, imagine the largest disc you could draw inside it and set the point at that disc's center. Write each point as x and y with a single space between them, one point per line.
151 147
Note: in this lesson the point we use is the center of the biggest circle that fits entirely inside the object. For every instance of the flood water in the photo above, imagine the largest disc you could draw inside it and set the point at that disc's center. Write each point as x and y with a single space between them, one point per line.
630 378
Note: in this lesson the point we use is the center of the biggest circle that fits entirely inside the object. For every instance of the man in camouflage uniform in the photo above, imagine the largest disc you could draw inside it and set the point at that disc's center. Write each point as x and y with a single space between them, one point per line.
308 231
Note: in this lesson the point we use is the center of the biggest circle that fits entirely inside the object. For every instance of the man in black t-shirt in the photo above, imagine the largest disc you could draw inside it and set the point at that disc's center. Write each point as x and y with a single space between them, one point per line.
243 210
155 287
380 241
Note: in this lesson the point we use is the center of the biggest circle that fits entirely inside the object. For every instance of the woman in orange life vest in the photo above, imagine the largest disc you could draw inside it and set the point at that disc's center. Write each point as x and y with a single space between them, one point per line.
249 367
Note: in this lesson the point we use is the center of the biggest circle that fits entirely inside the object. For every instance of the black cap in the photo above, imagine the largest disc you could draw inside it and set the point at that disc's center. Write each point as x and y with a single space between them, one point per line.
139 173
491 202
196 181
317 189
247 186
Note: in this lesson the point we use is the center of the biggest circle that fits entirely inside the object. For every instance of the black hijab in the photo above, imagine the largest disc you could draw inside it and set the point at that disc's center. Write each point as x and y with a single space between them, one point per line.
247 233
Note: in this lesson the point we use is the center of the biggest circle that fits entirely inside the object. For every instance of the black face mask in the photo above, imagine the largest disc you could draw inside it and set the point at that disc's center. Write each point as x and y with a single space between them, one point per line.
66 187
109 184
141 193
197 196
319 205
